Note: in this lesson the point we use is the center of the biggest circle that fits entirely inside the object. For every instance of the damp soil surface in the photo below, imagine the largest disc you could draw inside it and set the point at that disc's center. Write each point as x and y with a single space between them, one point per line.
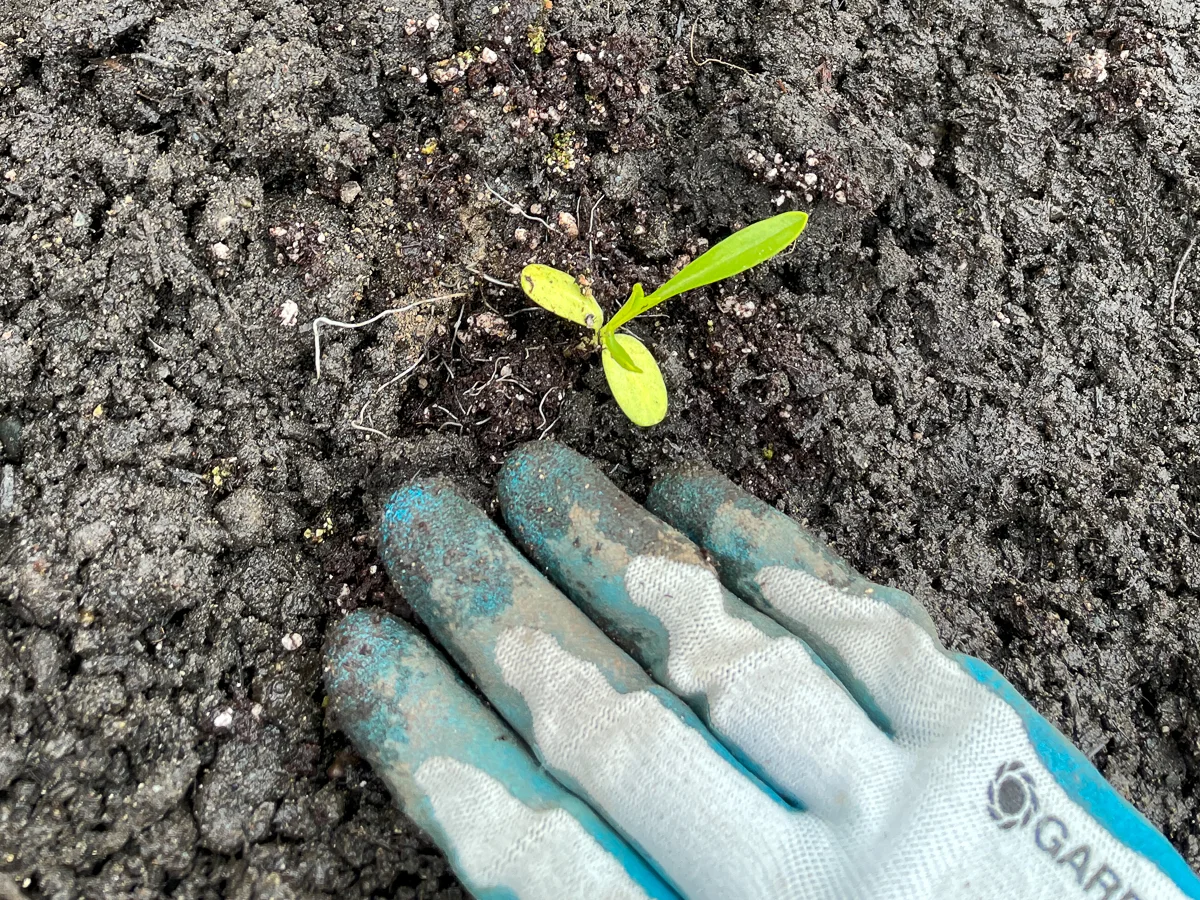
977 375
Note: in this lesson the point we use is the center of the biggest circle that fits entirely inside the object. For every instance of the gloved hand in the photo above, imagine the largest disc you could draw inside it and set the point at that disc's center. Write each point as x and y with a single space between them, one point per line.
787 729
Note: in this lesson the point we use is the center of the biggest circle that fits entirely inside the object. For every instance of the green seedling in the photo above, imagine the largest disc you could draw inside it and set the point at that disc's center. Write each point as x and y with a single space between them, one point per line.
633 375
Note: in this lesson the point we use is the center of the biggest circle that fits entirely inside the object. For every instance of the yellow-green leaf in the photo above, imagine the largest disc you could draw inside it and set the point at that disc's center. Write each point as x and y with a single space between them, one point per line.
740 251
558 292
642 395
623 359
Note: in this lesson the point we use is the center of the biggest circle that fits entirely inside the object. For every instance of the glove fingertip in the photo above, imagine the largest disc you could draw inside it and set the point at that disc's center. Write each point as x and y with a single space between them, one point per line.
688 496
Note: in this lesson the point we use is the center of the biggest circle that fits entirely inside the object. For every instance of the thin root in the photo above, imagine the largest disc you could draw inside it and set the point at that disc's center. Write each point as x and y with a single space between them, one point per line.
489 278
516 209
322 320
1178 272
362 413
701 63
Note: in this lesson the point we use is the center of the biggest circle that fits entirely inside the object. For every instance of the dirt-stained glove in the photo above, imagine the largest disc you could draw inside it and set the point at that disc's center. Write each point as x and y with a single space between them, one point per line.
773 727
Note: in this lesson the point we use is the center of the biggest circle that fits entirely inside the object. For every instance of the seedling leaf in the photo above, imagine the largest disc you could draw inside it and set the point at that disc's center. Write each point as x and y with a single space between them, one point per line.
642 395
740 251
558 292
622 358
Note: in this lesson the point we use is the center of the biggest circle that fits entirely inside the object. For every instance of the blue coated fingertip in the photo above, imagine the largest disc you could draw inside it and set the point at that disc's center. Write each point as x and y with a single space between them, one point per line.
743 535
582 531
468 584
400 705
428 529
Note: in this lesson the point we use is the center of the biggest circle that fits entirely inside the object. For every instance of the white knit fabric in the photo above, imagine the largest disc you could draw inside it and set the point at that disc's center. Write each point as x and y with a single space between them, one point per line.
499 842
921 690
760 688
712 831
910 818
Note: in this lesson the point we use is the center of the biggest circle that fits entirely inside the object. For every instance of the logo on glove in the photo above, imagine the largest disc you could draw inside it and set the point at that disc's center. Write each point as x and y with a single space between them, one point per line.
1012 800
1013 804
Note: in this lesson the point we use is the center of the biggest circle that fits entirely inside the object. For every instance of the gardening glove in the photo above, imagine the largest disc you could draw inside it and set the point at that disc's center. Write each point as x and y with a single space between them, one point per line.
765 725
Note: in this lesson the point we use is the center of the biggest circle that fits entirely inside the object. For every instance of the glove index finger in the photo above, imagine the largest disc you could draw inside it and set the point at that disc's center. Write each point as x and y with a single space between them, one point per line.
585 533
757 685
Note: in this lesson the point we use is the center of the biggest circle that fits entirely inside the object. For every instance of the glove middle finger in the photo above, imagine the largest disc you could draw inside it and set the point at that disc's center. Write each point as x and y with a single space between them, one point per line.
596 720
768 697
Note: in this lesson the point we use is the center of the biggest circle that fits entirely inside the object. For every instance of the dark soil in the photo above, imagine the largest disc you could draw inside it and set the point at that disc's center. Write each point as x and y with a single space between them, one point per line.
977 374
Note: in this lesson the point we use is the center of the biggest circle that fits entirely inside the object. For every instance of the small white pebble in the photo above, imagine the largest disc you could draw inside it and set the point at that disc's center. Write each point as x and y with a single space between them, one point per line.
350 191
810 178
292 641
536 209
433 23
583 57
521 235
488 55
223 719
256 710
220 251
568 224
6 489
289 312
840 196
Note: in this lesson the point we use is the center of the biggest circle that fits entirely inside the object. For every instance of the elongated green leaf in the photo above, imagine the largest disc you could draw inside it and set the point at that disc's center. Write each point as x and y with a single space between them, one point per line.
740 251
622 357
558 292
642 395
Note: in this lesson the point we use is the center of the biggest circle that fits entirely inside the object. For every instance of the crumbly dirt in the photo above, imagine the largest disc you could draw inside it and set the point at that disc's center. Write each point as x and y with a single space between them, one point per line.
976 375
